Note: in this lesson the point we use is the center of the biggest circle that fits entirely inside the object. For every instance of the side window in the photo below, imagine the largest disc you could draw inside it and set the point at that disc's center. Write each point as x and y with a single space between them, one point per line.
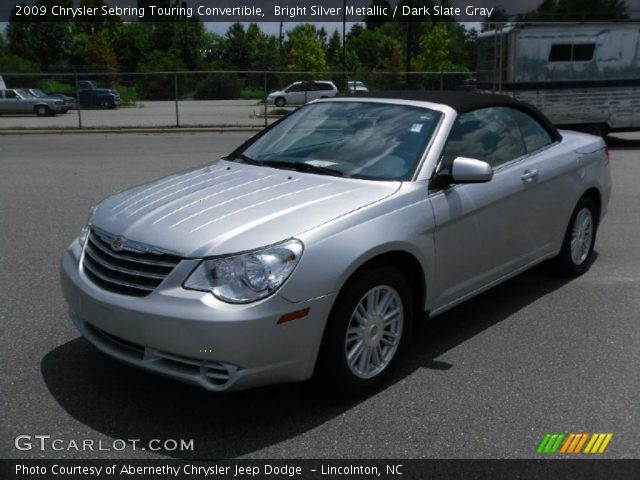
534 134
296 87
489 134
324 86
568 52
560 53
10 94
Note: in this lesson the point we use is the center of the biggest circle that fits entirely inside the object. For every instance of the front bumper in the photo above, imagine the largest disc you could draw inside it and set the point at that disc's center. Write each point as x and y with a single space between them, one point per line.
193 337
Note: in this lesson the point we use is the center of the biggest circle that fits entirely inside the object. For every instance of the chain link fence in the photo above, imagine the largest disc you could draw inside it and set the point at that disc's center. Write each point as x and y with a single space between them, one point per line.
214 99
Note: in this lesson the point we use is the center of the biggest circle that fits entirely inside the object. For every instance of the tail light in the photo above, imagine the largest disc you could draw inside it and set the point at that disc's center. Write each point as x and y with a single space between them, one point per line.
606 152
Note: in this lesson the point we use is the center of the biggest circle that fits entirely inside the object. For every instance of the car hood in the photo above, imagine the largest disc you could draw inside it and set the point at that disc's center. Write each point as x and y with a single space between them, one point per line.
228 207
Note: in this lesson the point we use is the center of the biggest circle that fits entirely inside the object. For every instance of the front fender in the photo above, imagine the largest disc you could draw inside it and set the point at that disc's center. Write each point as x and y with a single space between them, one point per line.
334 251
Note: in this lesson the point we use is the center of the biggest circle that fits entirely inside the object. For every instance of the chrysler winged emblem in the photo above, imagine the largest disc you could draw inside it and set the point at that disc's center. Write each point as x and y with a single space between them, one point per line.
117 244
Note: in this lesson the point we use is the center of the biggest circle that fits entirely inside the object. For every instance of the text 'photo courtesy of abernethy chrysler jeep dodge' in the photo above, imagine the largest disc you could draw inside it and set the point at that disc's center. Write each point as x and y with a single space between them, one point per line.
314 247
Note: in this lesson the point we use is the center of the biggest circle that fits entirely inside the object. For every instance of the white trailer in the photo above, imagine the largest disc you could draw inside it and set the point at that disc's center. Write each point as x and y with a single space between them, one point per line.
584 76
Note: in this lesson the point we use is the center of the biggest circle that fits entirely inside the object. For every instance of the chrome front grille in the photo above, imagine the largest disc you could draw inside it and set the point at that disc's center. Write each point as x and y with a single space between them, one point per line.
133 272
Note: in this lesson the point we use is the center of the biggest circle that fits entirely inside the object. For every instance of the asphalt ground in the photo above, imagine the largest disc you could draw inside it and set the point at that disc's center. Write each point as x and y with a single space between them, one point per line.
488 379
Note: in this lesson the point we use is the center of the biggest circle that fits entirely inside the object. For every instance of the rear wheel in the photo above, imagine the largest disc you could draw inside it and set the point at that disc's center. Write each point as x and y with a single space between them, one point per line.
366 331
577 248
42 111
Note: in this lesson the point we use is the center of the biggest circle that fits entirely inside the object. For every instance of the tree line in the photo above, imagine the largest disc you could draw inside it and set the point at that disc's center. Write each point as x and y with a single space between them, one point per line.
110 46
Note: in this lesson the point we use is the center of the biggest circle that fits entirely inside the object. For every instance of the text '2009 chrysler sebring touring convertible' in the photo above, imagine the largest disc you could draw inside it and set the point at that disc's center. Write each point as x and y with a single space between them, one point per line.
317 244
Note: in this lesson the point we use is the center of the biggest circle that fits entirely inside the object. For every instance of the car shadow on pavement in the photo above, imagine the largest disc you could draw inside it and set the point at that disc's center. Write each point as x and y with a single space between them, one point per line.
125 403
617 143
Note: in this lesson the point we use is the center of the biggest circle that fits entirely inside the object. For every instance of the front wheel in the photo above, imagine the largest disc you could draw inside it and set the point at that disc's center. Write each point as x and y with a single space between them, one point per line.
366 331
577 248
280 102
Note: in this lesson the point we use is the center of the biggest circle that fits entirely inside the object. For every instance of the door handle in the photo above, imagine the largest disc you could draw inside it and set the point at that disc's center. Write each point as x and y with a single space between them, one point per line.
529 175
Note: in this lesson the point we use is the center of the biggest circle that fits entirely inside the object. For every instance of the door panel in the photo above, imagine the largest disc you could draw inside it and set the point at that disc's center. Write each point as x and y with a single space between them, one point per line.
487 231
483 232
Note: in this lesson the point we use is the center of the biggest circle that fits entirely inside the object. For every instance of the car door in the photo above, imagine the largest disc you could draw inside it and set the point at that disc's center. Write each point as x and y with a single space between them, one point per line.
10 101
309 92
295 94
4 106
483 231
548 187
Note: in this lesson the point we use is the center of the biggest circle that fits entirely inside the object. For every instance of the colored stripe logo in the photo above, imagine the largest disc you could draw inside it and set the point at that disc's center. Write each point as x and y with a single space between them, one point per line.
568 443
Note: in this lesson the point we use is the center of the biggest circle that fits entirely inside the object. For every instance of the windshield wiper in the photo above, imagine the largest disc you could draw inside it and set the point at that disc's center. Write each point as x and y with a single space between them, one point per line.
302 167
244 158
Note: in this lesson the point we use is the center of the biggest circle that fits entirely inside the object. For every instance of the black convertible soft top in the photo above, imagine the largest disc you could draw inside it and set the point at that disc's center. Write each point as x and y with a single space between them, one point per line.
463 102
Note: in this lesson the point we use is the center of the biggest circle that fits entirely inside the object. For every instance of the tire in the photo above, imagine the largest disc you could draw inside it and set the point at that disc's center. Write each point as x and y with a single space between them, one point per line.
350 325
280 102
106 104
42 111
576 254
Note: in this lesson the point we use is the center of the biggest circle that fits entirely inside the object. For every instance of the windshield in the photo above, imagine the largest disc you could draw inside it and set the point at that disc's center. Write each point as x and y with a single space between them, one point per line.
26 93
367 140
38 93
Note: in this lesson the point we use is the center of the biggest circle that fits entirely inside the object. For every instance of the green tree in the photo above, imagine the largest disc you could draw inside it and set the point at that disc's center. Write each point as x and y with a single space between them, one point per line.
236 50
131 42
262 49
4 46
306 53
14 64
214 49
94 24
159 86
435 51
40 40
188 41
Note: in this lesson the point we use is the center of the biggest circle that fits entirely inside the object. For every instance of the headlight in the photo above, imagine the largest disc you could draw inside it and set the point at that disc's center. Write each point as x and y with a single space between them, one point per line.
248 277
84 233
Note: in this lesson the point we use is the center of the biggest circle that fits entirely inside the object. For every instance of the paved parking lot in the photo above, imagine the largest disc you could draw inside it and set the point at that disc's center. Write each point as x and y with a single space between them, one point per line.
220 113
487 379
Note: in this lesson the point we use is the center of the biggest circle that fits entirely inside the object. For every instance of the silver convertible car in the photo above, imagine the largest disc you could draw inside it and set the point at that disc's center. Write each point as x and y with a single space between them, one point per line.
316 246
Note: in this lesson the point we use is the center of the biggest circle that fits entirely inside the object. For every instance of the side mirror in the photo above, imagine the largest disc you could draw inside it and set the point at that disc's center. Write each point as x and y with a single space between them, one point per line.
470 170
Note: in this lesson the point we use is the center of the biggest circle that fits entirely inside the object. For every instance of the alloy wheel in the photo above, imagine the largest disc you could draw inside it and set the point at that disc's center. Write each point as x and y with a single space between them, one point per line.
374 331
581 236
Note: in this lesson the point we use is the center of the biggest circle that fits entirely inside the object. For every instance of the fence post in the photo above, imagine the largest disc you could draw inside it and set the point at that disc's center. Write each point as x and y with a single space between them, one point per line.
266 94
175 87
441 80
78 102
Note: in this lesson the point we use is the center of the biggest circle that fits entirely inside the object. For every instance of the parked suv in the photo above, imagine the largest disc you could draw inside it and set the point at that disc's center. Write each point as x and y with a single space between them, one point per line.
21 101
302 92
